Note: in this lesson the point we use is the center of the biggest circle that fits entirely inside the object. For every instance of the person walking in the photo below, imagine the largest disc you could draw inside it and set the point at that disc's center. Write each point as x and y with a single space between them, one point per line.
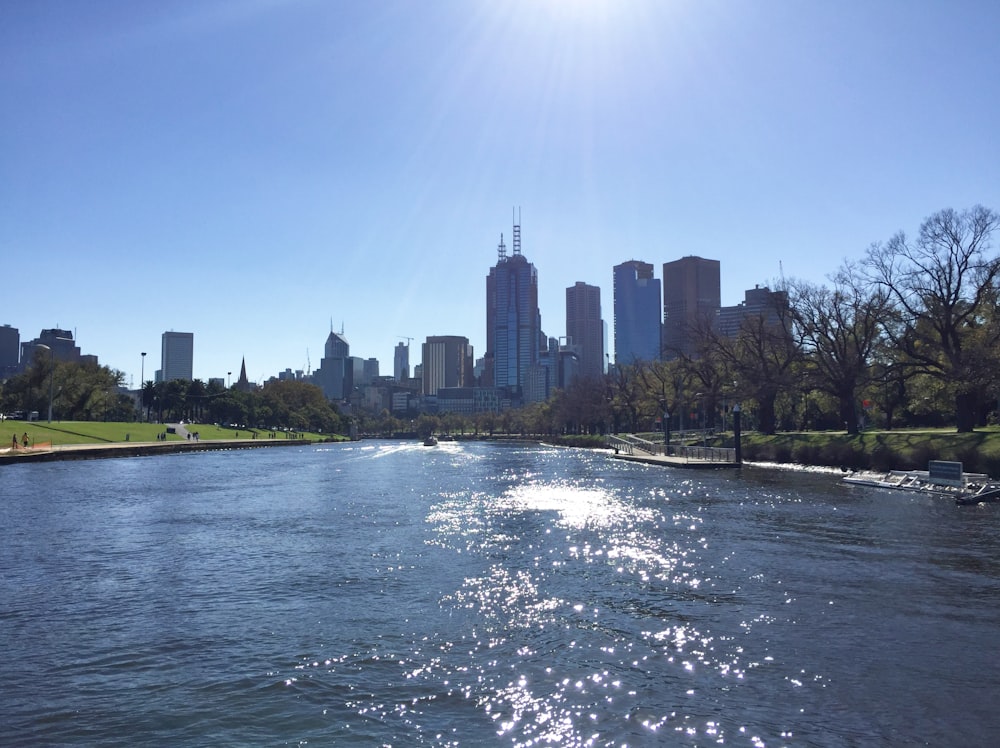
24 440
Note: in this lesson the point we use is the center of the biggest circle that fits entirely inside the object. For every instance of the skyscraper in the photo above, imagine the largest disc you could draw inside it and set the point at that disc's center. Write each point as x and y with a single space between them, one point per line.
513 323
401 362
770 306
335 375
691 301
447 362
177 356
637 313
585 328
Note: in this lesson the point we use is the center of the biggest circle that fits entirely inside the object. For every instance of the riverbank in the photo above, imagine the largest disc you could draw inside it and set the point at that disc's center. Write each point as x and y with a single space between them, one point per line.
136 449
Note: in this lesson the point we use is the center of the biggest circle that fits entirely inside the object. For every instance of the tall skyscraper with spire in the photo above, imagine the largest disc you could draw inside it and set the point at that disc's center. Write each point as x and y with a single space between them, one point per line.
637 313
513 323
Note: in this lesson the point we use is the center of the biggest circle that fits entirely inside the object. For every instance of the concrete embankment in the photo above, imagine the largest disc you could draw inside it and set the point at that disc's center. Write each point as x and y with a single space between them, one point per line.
138 449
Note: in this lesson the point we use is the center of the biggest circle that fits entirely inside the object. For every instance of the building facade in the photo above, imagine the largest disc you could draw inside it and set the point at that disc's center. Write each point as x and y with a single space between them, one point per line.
10 350
770 306
335 375
637 326
585 328
446 362
177 356
691 301
401 362
513 323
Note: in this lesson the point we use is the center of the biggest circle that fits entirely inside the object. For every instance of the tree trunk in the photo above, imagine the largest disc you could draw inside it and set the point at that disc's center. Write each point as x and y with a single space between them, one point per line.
766 421
965 412
848 413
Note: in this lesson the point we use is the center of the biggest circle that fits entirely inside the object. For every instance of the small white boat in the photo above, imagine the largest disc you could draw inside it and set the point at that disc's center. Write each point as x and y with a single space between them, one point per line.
430 441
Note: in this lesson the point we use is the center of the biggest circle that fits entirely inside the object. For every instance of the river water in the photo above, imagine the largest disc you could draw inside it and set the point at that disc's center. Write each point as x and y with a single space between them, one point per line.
384 593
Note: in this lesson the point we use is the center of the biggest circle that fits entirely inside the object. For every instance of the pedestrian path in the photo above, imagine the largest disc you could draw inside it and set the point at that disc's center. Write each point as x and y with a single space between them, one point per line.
636 449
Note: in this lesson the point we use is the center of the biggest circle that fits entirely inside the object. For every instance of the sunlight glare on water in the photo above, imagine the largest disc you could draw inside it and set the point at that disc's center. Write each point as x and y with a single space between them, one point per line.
387 593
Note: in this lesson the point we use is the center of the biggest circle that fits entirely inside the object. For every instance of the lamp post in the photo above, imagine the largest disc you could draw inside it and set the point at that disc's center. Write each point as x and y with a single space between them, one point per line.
52 374
666 427
142 386
229 379
736 434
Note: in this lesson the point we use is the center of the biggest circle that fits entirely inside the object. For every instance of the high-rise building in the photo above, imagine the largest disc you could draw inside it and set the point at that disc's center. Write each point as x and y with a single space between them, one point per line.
335 375
770 306
10 343
401 362
447 362
691 301
585 328
60 343
513 323
177 356
637 313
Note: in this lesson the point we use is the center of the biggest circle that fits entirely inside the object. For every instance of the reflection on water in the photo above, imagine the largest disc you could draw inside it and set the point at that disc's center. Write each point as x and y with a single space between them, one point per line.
386 593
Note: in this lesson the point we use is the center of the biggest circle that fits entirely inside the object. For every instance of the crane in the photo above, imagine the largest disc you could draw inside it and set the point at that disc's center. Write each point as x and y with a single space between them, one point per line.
407 339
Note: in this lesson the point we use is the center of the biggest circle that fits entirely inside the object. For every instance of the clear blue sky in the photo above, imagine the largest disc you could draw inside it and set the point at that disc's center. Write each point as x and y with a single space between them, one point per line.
248 170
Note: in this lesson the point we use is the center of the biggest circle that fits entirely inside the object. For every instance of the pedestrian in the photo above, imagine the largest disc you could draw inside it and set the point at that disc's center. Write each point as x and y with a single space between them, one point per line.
24 439
14 444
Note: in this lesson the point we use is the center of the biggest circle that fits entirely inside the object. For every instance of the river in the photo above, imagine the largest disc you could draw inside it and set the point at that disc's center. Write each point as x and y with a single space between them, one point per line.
390 594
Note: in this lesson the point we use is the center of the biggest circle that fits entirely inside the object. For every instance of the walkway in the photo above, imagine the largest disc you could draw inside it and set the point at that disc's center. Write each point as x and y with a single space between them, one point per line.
636 449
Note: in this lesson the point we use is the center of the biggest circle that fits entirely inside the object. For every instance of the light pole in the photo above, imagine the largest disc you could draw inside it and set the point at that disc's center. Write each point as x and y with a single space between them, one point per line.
142 386
229 379
52 374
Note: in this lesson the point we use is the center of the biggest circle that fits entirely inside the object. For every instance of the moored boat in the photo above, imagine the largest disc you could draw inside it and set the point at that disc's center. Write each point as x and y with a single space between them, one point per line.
942 478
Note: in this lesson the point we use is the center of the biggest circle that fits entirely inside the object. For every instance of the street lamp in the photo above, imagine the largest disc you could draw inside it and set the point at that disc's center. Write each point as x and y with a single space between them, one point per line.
229 379
52 374
666 427
142 385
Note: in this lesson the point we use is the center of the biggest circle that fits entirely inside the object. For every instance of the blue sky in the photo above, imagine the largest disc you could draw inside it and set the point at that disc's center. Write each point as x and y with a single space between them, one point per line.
249 170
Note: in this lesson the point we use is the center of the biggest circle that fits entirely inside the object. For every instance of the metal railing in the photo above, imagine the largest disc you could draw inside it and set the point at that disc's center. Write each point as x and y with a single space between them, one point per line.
630 444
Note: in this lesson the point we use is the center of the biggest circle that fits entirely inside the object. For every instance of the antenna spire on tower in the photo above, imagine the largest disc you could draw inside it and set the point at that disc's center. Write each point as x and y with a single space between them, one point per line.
501 249
517 232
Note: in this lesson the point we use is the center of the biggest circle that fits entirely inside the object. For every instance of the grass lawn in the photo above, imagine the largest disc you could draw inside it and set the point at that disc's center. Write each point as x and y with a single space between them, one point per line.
101 432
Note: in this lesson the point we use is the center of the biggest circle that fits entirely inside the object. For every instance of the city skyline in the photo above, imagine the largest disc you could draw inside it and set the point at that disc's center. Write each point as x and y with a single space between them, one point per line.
248 171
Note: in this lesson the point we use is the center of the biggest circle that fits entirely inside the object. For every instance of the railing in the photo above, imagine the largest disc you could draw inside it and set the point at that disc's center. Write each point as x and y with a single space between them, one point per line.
629 444
708 454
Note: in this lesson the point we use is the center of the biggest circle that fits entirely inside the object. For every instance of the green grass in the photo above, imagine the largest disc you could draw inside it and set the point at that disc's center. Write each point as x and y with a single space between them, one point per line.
899 449
100 432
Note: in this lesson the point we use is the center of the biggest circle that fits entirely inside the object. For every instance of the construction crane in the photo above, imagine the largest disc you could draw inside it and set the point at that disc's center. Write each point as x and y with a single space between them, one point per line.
407 339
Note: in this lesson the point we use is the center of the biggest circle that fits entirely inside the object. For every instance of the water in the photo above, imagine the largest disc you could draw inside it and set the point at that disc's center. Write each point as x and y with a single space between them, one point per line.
475 594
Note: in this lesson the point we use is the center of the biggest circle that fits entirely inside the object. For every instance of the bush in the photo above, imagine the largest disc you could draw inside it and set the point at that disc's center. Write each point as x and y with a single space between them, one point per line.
884 458
807 454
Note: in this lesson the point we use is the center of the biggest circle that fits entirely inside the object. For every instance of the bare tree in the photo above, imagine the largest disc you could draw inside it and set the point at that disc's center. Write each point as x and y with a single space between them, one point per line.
841 328
763 357
944 285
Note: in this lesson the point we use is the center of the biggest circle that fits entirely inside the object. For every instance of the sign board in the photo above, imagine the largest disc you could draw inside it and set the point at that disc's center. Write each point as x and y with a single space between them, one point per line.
945 472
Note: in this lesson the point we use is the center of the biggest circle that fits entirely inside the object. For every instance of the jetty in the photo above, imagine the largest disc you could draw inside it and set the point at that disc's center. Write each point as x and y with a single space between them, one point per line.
637 449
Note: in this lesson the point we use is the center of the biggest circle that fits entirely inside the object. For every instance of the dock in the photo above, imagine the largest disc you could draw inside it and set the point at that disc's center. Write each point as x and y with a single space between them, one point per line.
636 449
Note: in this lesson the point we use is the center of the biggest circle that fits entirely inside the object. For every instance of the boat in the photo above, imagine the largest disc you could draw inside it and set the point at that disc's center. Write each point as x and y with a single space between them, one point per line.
430 441
985 495
942 478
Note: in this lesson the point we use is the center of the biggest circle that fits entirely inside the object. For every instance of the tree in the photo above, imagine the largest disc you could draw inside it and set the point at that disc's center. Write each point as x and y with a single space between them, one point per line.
944 285
763 357
665 383
841 328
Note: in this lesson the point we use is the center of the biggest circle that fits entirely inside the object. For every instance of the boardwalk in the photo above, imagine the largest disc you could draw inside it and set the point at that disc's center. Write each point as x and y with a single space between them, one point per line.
629 447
